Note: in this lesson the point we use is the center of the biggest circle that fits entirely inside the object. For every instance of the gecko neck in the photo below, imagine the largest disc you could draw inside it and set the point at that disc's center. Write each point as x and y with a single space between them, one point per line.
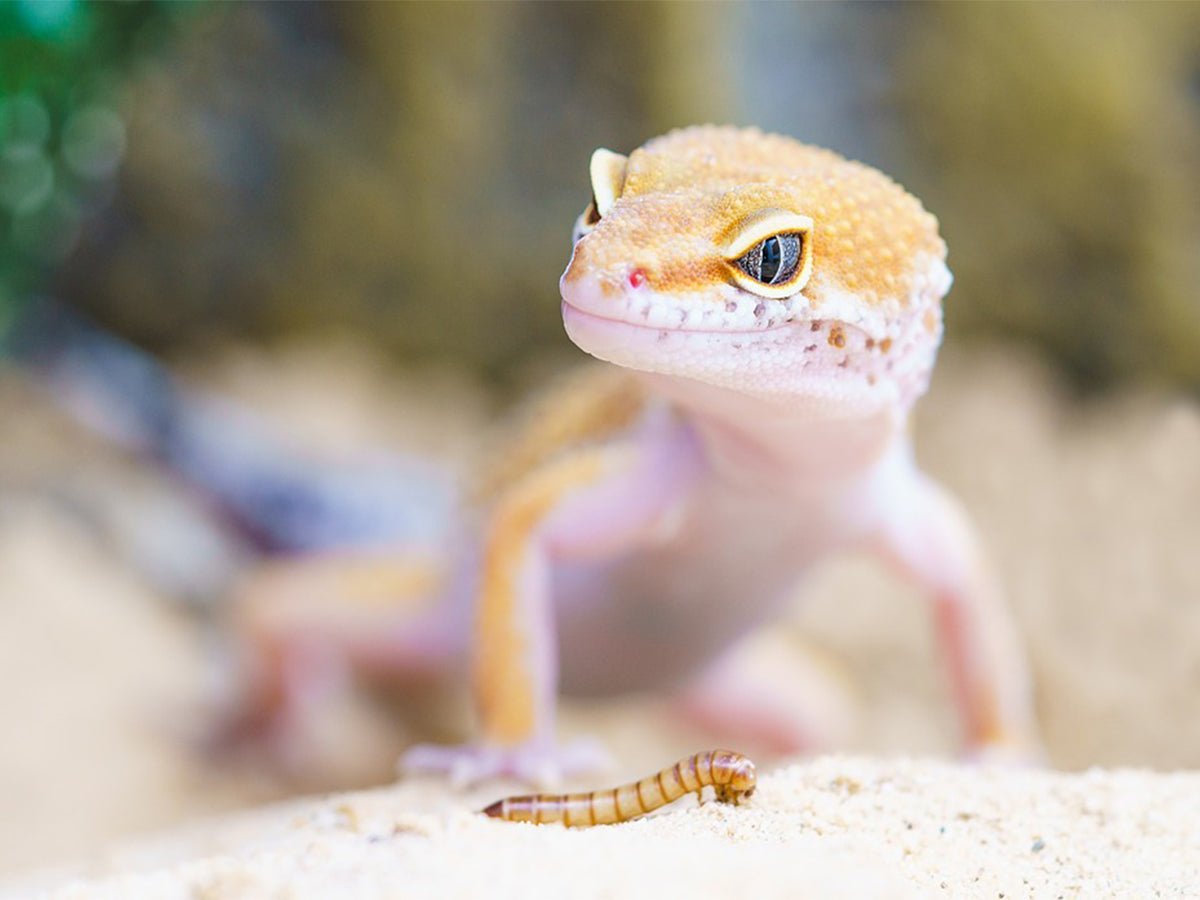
749 437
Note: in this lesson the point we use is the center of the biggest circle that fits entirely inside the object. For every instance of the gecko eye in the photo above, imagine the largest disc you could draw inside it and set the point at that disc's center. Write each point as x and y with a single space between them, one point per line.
774 261
770 253
586 222
607 171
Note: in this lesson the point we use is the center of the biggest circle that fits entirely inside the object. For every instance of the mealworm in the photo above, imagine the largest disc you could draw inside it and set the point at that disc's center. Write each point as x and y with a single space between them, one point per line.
730 774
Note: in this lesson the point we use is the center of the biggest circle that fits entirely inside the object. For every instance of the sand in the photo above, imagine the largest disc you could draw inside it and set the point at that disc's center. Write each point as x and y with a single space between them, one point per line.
829 827
1091 511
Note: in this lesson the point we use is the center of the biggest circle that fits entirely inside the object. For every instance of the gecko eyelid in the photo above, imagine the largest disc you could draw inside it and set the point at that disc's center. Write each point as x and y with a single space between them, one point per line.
586 222
607 170
770 253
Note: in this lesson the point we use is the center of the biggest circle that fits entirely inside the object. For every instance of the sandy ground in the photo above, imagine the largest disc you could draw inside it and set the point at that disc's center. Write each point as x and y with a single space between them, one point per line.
830 827
1090 510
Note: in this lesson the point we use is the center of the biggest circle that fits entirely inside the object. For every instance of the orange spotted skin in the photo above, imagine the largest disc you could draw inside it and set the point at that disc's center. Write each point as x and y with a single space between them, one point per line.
505 676
684 192
731 774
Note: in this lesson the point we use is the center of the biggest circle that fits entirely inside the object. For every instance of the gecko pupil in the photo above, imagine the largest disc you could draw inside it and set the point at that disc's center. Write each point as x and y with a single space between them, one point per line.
773 260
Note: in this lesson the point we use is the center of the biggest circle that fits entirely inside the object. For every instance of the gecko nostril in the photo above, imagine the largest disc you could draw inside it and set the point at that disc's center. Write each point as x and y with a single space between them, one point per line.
637 277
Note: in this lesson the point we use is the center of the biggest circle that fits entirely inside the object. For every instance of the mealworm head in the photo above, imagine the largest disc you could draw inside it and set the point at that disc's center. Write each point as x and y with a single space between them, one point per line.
741 775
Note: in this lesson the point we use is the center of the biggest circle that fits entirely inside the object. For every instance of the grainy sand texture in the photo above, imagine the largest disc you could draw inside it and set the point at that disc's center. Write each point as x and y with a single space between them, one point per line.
830 827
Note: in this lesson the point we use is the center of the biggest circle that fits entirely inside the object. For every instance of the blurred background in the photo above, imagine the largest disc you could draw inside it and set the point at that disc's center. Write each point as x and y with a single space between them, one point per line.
349 219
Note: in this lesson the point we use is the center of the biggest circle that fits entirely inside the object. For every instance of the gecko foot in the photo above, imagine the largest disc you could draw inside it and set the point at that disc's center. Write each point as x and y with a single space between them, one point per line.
1017 751
541 764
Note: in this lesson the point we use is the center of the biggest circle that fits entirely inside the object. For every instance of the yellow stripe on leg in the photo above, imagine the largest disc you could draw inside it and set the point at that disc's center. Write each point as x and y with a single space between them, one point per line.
505 680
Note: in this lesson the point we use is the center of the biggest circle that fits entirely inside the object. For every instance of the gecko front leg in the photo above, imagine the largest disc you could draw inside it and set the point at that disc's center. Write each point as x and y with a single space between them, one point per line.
591 504
927 536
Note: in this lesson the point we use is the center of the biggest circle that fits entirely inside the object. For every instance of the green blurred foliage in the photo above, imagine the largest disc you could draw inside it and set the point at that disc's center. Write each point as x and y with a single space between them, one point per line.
62 63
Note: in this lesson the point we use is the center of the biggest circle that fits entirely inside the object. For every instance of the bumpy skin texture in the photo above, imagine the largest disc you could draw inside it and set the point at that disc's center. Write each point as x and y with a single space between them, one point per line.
683 193
871 304
654 513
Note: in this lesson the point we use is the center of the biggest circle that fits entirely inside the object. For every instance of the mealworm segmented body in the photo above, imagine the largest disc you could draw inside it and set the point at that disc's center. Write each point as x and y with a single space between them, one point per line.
731 774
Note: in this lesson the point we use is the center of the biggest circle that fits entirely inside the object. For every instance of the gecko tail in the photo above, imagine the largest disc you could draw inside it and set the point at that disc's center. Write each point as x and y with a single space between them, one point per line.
281 499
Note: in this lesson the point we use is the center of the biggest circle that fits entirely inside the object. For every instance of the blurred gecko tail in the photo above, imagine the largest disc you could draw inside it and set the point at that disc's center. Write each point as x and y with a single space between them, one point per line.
104 382
280 498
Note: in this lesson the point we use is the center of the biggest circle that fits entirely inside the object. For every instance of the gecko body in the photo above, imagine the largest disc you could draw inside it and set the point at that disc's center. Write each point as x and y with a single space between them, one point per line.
773 311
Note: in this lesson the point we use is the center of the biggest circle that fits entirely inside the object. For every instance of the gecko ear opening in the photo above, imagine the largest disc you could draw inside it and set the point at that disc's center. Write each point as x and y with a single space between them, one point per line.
607 171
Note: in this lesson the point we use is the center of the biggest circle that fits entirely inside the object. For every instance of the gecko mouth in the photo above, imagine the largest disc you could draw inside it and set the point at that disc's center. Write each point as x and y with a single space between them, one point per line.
723 310
815 342
777 348
572 312
824 366
856 352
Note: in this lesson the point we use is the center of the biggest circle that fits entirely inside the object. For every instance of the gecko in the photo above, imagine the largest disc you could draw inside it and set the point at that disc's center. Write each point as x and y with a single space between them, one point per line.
768 313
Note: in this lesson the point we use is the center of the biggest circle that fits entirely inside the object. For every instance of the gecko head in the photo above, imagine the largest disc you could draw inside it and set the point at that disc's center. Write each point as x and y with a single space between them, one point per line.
756 263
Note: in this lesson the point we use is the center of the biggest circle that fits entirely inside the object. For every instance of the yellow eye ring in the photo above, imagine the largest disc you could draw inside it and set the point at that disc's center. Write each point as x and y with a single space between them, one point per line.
775 243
